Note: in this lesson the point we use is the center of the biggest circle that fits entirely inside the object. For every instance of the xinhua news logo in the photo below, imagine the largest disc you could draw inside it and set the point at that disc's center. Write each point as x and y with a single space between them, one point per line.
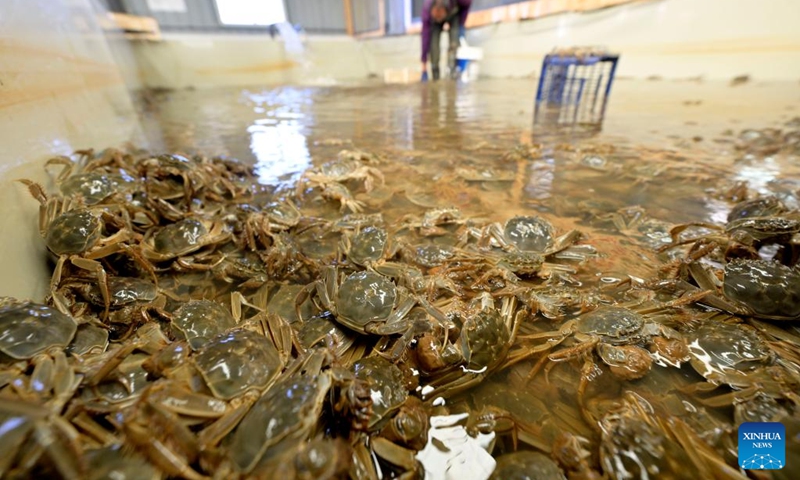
762 445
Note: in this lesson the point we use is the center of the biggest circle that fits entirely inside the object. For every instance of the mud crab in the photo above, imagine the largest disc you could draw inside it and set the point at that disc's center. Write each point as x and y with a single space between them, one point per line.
198 321
290 410
387 388
237 361
340 171
637 443
434 221
757 288
615 334
28 329
365 302
368 246
741 237
526 464
182 238
486 337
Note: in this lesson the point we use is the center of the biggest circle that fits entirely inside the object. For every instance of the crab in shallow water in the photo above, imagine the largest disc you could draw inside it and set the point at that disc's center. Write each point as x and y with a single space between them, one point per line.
483 346
619 336
79 237
434 221
182 238
289 411
638 442
368 246
131 300
340 193
526 234
526 464
757 288
340 171
744 236
366 302
237 361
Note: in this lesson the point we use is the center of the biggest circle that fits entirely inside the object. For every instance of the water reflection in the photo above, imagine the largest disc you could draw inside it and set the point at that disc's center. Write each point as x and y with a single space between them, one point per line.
280 151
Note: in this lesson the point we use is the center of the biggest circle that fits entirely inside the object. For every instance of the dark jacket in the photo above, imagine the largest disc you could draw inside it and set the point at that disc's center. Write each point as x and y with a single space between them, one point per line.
459 6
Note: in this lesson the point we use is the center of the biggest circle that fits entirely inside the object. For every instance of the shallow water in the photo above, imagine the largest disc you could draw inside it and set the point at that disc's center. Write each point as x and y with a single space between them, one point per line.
667 153
662 146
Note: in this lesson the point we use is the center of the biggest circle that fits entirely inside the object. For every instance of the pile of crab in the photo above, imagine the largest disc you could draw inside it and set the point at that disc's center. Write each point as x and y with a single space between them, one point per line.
199 324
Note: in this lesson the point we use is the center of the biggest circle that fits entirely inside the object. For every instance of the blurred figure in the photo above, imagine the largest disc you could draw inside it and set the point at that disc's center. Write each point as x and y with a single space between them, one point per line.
435 14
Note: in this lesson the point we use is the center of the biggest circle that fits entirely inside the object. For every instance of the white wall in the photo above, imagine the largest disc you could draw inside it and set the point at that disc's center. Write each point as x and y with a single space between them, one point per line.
716 39
671 38
193 60
60 90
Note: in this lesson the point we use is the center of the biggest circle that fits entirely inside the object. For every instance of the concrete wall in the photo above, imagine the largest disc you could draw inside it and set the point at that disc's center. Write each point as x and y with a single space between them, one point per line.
60 90
192 60
668 38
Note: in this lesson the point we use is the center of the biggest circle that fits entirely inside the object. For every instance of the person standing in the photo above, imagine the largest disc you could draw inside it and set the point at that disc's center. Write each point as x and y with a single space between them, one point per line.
435 14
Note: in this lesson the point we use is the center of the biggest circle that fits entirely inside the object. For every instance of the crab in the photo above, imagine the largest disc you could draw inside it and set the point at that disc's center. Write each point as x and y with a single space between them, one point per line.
81 179
365 302
525 234
320 458
28 329
182 238
736 355
355 221
431 255
238 361
741 237
36 437
340 171
434 221
340 193
617 335
169 177
316 331
522 248
198 321
387 388
246 268
526 464
161 437
75 235
767 206
757 288
76 238
409 425
289 410
130 301
359 155
484 345
283 214
92 187
89 340
368 246
636 441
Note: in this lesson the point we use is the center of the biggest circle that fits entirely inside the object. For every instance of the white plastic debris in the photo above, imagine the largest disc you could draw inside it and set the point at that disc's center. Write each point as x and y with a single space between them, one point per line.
452 454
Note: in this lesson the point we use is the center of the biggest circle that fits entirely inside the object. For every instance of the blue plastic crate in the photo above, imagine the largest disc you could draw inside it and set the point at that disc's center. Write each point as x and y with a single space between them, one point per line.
574 89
